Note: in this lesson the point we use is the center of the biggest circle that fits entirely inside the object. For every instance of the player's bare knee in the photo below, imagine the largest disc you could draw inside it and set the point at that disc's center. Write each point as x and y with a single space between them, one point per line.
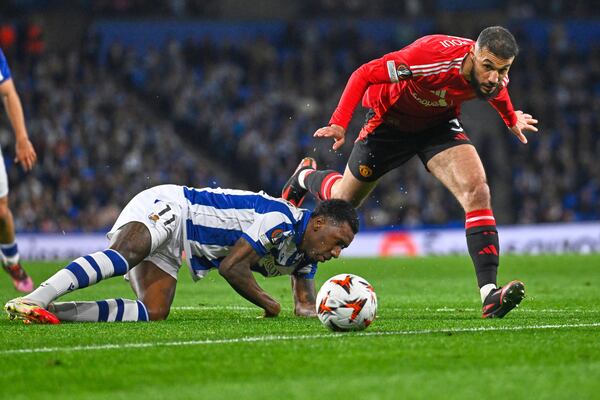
478 196
132 252
157 313
4 211
133 242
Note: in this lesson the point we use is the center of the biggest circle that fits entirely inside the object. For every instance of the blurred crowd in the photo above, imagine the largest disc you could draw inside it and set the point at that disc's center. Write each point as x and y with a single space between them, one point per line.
98 145
556 177
107 127
307 8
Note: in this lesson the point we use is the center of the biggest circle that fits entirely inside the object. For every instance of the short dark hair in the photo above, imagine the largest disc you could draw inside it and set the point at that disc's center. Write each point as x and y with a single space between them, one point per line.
499 41
339 211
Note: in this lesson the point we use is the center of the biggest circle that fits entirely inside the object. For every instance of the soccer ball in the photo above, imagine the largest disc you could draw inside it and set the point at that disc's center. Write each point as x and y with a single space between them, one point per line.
346 302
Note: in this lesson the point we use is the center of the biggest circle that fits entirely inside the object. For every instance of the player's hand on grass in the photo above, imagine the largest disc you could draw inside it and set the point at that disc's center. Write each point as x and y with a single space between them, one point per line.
525 123
332 131
272 310
25 154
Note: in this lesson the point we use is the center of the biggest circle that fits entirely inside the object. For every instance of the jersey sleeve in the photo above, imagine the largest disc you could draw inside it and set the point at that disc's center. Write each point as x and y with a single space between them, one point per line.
306 272
504 106
390 68
268 230
4 70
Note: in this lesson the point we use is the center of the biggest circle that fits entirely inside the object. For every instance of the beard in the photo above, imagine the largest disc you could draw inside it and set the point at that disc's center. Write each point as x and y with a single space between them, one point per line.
477 88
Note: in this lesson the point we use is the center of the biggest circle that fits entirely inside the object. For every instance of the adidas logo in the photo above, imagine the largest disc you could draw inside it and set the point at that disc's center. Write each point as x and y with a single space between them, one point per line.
491 249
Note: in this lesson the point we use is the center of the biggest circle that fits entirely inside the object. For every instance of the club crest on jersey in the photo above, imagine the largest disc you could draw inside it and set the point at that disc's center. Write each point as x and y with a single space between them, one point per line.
365 171
399 73
276 235
403 72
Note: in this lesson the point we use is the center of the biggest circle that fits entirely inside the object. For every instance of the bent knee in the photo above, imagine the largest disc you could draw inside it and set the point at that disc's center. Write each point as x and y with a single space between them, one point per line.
133 242
157 313
4 210
132 252
477 197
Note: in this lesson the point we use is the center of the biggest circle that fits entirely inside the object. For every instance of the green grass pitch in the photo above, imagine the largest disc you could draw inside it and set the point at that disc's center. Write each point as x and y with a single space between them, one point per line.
428 342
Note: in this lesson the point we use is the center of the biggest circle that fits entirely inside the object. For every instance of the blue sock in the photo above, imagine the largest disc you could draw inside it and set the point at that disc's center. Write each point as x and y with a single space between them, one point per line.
82 272
110 310
10 252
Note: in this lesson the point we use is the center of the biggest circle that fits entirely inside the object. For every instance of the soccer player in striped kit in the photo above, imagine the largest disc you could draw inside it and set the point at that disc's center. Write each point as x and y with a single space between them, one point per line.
234 231
24 155
414 96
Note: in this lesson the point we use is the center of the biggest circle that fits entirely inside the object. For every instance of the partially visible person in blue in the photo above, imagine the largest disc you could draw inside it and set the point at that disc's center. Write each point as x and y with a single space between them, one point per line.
24 155
234 231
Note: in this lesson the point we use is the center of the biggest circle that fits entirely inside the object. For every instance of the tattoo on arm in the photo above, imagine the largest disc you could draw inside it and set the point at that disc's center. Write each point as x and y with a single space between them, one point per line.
304 296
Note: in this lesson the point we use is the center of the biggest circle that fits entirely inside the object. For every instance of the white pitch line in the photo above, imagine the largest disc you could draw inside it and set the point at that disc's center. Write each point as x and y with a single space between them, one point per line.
278 338
395 309
532 310
200 308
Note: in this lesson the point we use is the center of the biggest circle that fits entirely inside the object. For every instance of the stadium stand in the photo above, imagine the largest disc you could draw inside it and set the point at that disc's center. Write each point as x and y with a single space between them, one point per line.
97 145
112 120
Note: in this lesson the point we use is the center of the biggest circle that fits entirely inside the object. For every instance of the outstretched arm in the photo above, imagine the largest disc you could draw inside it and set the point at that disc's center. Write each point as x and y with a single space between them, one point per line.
235 268
25 154
518 121
304 296
382 70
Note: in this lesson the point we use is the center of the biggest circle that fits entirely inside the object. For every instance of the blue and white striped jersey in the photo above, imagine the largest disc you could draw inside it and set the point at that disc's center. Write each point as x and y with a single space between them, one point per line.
4 70
217 218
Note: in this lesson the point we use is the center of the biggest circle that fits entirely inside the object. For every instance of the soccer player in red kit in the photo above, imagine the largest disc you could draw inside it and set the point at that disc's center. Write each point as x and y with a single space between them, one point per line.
414 97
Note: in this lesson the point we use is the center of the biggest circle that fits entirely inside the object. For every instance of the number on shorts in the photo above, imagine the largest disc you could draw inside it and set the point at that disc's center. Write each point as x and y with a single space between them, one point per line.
164 211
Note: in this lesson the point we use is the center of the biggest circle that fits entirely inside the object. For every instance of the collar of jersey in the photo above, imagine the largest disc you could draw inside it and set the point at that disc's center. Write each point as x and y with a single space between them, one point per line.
301 227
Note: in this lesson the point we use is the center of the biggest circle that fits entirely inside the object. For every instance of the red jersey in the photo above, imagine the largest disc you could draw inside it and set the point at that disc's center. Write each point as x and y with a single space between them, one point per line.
431 94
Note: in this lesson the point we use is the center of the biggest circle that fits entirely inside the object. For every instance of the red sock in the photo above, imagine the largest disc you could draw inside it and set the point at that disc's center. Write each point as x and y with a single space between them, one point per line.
319 183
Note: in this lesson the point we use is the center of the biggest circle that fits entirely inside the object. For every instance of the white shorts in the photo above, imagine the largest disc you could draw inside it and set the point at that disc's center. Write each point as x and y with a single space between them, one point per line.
161 209
3 178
